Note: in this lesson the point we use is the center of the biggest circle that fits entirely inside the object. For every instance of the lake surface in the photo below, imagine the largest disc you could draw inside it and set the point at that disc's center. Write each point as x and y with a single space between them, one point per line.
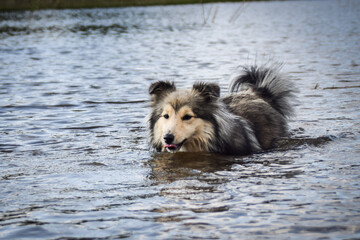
75 163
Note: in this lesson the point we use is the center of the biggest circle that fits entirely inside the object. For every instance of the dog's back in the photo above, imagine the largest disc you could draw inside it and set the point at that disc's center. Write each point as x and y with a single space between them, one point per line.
262 95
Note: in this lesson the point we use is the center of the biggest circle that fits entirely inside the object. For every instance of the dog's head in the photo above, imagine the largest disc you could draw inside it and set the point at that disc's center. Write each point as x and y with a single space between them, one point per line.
183 120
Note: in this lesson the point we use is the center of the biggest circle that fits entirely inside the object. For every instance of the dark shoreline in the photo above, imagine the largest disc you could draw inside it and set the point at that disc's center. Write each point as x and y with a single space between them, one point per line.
11 5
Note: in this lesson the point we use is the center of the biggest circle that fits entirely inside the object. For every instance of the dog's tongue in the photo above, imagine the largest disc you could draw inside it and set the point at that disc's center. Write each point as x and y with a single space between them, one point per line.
171 146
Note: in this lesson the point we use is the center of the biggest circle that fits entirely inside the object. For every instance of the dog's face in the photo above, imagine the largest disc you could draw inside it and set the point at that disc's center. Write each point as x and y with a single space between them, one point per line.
182 120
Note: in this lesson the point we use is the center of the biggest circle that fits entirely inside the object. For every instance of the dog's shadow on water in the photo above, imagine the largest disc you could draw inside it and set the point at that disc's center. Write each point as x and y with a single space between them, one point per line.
170 167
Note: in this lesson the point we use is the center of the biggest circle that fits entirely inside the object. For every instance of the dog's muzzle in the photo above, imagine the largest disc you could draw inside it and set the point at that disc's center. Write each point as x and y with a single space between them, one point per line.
169 145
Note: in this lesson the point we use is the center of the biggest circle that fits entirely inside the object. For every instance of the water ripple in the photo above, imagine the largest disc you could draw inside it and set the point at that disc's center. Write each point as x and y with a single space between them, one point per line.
75 161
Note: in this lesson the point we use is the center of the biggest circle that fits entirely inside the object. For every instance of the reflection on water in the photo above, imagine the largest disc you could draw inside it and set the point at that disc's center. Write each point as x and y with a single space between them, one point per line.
75 163
168 167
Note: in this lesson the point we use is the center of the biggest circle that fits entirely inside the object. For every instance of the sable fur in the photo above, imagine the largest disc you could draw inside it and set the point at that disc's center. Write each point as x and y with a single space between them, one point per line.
248 120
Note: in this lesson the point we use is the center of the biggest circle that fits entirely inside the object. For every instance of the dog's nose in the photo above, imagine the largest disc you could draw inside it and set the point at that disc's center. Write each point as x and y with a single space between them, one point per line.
169 138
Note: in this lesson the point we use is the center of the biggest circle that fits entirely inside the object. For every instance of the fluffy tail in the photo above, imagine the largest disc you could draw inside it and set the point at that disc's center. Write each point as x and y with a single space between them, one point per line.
269 83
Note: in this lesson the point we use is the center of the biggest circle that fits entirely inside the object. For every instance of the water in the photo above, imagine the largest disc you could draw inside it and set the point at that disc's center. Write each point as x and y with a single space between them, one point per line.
75 162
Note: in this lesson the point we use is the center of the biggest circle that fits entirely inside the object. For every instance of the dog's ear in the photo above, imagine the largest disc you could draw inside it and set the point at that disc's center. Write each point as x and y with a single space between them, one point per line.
160 89
210 91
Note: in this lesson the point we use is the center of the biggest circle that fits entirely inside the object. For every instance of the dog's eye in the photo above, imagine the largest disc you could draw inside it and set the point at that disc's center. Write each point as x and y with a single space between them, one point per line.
166 116
186 117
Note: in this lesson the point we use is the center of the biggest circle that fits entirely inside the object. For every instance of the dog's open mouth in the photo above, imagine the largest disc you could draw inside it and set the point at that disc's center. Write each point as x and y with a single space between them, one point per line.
174 147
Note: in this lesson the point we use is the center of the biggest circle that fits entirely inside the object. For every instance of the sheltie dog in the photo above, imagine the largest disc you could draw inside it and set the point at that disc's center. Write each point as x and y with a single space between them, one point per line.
248 120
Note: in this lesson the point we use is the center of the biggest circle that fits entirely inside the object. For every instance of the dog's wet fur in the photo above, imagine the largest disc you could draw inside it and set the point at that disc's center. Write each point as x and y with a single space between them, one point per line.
248 120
